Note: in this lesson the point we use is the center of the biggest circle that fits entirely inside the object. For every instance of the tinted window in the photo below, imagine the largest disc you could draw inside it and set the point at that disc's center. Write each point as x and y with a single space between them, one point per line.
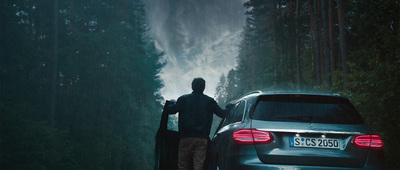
306 108
235 115
227 120
173 122
238 115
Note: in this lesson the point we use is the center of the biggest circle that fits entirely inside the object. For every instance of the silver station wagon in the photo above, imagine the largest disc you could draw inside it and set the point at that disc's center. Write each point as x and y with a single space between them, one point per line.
295 131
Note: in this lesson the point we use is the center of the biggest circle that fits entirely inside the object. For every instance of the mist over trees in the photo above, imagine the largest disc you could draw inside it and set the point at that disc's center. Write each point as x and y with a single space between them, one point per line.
335 46
79 85
79 79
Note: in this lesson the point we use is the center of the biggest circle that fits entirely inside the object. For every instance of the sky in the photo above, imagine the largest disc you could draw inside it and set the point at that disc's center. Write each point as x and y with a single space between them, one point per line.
200 38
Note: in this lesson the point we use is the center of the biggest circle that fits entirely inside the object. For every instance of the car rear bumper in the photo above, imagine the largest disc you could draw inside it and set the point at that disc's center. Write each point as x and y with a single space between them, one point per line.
253 163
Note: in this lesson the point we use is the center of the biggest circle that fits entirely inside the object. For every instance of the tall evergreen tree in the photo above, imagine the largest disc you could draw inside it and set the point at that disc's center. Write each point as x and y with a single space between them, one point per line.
221 94
325 38
343 40
106 85
366 34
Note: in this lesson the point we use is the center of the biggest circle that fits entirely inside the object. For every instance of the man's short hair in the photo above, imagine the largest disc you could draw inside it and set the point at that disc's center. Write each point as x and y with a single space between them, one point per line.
198 84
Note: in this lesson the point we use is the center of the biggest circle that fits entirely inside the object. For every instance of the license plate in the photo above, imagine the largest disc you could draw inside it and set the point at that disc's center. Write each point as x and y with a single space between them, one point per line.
314 142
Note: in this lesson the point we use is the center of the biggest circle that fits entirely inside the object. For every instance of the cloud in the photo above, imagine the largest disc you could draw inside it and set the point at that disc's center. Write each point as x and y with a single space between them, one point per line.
200 39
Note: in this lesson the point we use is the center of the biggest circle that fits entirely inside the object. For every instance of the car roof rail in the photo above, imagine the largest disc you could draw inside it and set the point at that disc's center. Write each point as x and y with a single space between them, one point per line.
252 92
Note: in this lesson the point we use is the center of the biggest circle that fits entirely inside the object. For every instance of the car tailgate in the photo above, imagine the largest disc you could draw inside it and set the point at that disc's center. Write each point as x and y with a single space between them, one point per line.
314 144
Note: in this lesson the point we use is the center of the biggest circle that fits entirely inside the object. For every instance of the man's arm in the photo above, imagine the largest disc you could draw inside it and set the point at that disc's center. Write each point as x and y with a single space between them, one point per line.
223 113
175 106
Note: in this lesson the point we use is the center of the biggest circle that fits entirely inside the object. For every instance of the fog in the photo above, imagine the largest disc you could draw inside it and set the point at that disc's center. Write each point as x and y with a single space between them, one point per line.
200 39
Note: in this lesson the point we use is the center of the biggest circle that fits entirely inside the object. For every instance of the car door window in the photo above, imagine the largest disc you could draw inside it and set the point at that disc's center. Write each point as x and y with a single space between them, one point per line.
173 122
227 121
236 114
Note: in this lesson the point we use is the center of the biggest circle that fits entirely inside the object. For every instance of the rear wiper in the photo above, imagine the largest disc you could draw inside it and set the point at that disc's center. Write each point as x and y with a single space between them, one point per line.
297 118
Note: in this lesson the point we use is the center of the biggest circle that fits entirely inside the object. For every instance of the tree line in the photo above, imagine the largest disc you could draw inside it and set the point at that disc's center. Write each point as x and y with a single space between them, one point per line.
335 46
79 85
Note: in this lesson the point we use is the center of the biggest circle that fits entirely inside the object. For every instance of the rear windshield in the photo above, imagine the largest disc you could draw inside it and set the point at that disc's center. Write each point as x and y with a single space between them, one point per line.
306 108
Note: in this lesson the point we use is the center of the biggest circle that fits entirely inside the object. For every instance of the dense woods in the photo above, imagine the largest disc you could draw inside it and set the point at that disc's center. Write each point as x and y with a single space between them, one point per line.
79 85
79 80
330 46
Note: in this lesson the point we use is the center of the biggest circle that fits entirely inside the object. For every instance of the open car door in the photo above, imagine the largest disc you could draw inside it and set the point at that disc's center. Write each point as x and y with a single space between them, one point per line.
167 142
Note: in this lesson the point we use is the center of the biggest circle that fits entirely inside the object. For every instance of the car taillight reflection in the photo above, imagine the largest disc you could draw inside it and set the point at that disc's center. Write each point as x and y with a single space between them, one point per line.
368 141
252 136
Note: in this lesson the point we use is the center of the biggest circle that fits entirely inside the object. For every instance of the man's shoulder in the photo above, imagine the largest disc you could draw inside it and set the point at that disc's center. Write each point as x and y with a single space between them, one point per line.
208 98
202 96
184 96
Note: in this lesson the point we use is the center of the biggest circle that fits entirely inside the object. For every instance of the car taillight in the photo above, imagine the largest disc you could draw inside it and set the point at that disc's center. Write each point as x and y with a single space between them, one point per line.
252 136
372 141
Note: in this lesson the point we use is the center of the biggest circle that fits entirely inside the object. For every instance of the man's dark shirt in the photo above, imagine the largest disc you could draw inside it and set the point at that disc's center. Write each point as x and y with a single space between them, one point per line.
196 114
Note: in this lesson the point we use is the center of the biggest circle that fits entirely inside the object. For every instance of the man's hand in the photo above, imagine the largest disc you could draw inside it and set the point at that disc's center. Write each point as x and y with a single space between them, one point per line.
230 105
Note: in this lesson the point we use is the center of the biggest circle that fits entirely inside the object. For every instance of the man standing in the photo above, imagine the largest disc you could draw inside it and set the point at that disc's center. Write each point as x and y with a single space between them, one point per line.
195 118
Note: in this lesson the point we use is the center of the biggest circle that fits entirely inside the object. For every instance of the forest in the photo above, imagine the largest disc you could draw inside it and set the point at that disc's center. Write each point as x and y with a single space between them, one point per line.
80 84
347 47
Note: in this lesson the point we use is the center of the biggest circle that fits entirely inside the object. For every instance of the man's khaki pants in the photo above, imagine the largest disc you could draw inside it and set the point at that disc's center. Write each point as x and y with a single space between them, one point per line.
192 146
